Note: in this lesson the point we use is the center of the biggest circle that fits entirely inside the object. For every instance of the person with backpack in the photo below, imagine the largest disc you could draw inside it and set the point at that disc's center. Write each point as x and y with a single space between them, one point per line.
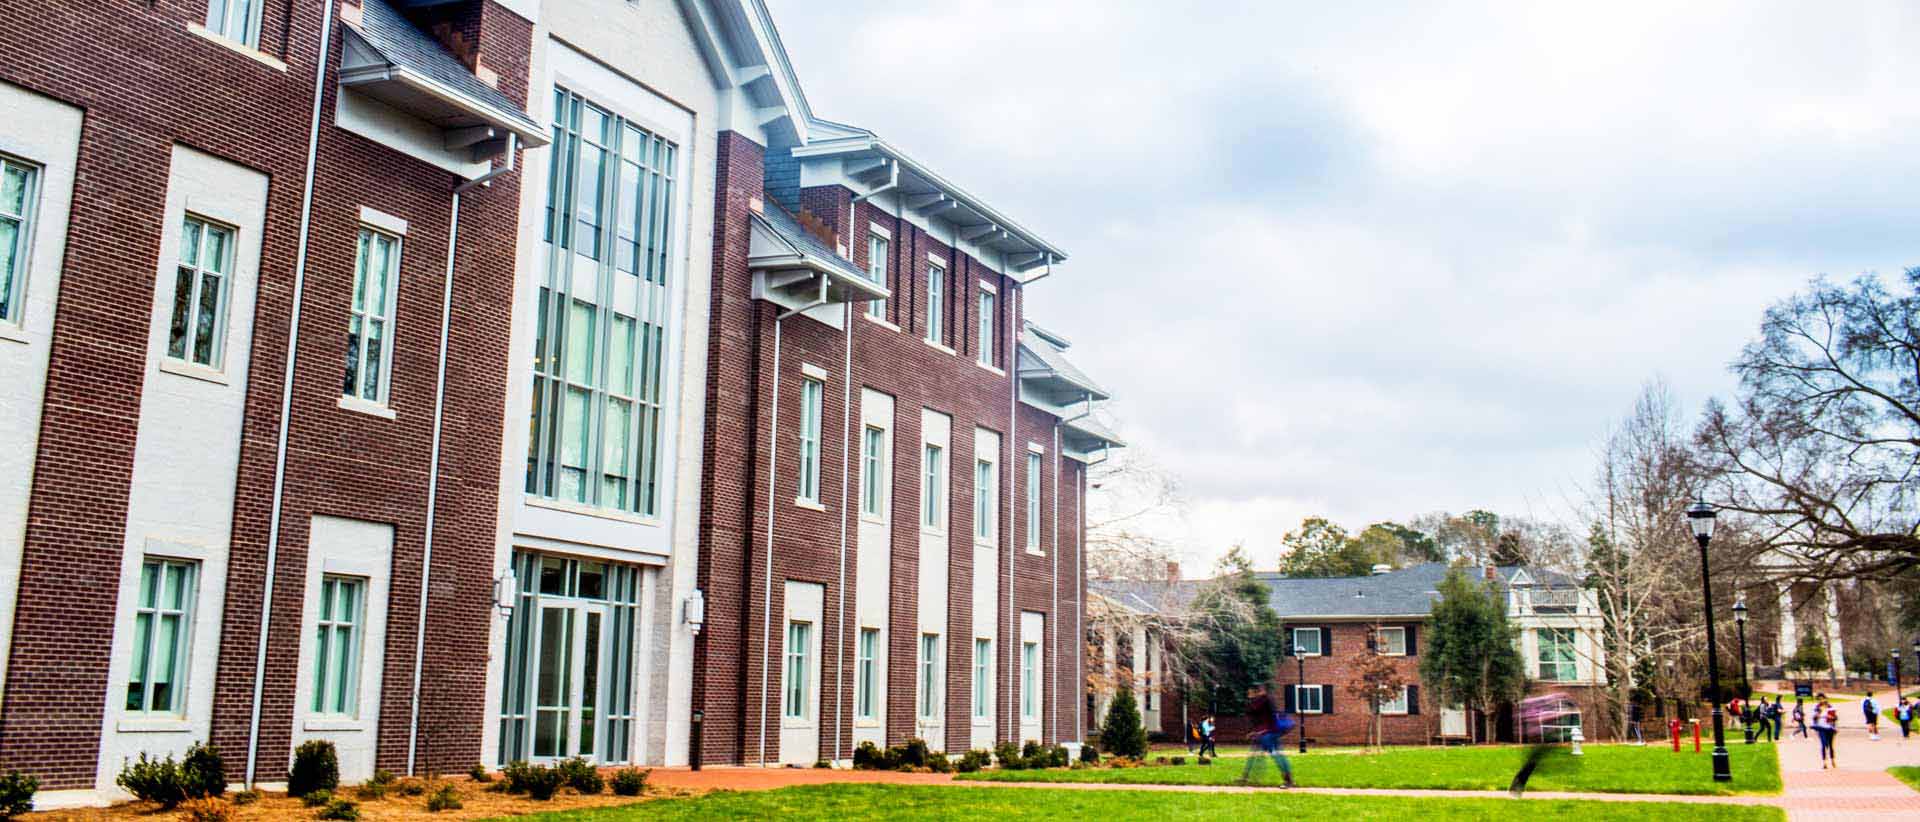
1770 714
1872 710
1269 725
1206 737
1903 714
1799 717
1825 719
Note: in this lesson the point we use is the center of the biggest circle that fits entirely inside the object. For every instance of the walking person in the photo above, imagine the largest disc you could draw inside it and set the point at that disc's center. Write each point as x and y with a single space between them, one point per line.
1872 711
1824 718
1269 724
1206 737
1799 717
1903 714
1770 719
1534 712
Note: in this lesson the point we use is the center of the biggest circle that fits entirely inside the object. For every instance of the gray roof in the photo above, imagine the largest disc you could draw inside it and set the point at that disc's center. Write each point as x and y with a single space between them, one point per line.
1409 591
1050 359
403 43
788 227
1145 597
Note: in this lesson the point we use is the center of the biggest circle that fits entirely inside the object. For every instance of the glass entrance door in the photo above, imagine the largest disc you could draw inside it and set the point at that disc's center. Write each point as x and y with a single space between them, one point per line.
569 663
567 682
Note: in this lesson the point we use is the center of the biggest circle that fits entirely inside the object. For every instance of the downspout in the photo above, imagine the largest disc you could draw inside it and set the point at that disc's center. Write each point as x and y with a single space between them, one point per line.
433 464
773 478
1079 571
1013 626
286 389
846 459
1054 714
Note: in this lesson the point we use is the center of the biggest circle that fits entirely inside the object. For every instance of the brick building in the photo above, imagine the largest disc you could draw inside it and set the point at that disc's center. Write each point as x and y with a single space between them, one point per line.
336 430
1334 621
255 340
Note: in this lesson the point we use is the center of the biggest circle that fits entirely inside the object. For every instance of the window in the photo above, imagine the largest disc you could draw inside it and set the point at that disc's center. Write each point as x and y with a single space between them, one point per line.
1033 502
17 199
986 498
936 283
866 678
1391 641
1559 728
571 645
370 333
1146 674
810 393
799 654
929 676
1029 680
599 359
237 20
1556 654
877 247
162 627
932 494
1307 641
982 678
873 473
1307 699
198 326
987 324
1396 705
336 658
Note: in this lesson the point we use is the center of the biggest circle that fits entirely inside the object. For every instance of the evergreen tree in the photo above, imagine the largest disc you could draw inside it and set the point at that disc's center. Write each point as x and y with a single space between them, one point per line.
1122 734
1469 656
1237 637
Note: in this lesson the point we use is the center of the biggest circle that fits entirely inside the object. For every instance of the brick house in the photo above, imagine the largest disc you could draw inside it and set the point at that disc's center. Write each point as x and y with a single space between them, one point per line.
1334 621
254 345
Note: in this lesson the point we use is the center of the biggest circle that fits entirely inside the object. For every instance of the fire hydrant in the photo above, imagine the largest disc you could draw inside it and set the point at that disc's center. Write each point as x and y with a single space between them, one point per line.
1576 738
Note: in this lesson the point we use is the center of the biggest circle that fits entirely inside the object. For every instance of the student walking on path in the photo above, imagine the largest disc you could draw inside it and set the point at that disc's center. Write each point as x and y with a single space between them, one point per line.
1799 717
1206 737
1770 715
1269 724
1872 711
1903 714
1824 718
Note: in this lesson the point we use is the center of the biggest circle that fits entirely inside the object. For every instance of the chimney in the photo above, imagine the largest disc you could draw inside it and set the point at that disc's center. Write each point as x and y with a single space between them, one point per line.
1493 574
1173 571
821 231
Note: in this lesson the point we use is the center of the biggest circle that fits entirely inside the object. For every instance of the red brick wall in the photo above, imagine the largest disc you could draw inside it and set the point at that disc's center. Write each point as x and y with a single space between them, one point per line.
148 91
806 544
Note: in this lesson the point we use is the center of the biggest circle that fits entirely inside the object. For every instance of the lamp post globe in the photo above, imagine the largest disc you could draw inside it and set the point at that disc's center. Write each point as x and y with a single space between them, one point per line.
1746 688
1700 517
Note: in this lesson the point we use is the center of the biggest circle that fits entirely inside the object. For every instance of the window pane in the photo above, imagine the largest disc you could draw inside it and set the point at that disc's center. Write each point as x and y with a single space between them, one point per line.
14 184
166 648
10 241
137 674
321 643
573 446
580 343
370 371
362 258
177 328
379 271
214 256
203 336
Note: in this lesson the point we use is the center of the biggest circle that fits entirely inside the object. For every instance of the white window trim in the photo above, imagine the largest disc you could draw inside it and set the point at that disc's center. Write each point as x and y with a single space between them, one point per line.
391 319
354 656
184 363
929 668
876 228
983 674
183 662
989 287
987 514
1030 685
937 306
383 221
989 343
933 489
1380 640
879 474
874 663
813 393
1406 700
797 662
1319 644
1034 509
1299 702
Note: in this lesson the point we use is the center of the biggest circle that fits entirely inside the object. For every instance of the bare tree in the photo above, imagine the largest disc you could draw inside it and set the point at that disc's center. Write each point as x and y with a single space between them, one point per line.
1821 446
1133 505
1376 679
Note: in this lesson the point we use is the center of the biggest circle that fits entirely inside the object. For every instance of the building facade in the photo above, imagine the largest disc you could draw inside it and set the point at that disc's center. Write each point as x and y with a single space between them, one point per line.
487 380
255 351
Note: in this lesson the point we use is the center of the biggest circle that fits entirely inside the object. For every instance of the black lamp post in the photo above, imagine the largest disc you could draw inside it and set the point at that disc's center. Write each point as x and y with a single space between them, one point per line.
1673 689
1700 516
1300 656
1896 675
1746 688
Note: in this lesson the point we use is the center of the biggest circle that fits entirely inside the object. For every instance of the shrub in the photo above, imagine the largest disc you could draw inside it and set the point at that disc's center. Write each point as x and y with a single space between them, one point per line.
1121 734
410 787
580 775
445 799
383 777
1032 754
939 763
246 797
540 781
314 799
207 809
342 809
16 794
1058 755
1009 756
203 772
1179 760
973 761
913 754
479 773
514 777
316 767
371 790
154 780
1089 754
868 757
1206 760
630 781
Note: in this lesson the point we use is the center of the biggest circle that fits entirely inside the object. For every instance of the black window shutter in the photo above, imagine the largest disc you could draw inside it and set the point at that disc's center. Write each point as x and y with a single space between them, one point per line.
1286 636
1413 640
1413 691
1326 699
1326 640
1288 692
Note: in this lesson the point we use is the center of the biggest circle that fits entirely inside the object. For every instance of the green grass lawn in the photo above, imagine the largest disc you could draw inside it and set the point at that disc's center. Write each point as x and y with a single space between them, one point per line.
1909 774
1604 768
929 803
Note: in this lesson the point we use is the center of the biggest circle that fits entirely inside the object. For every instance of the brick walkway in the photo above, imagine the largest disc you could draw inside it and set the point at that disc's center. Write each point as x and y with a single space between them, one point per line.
1860 790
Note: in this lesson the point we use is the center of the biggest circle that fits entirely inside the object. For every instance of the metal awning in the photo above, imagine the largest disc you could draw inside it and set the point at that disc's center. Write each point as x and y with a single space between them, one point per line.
388 59
794 269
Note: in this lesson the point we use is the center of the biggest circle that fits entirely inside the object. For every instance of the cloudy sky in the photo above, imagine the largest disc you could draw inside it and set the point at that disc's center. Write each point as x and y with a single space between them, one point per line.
1370 264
